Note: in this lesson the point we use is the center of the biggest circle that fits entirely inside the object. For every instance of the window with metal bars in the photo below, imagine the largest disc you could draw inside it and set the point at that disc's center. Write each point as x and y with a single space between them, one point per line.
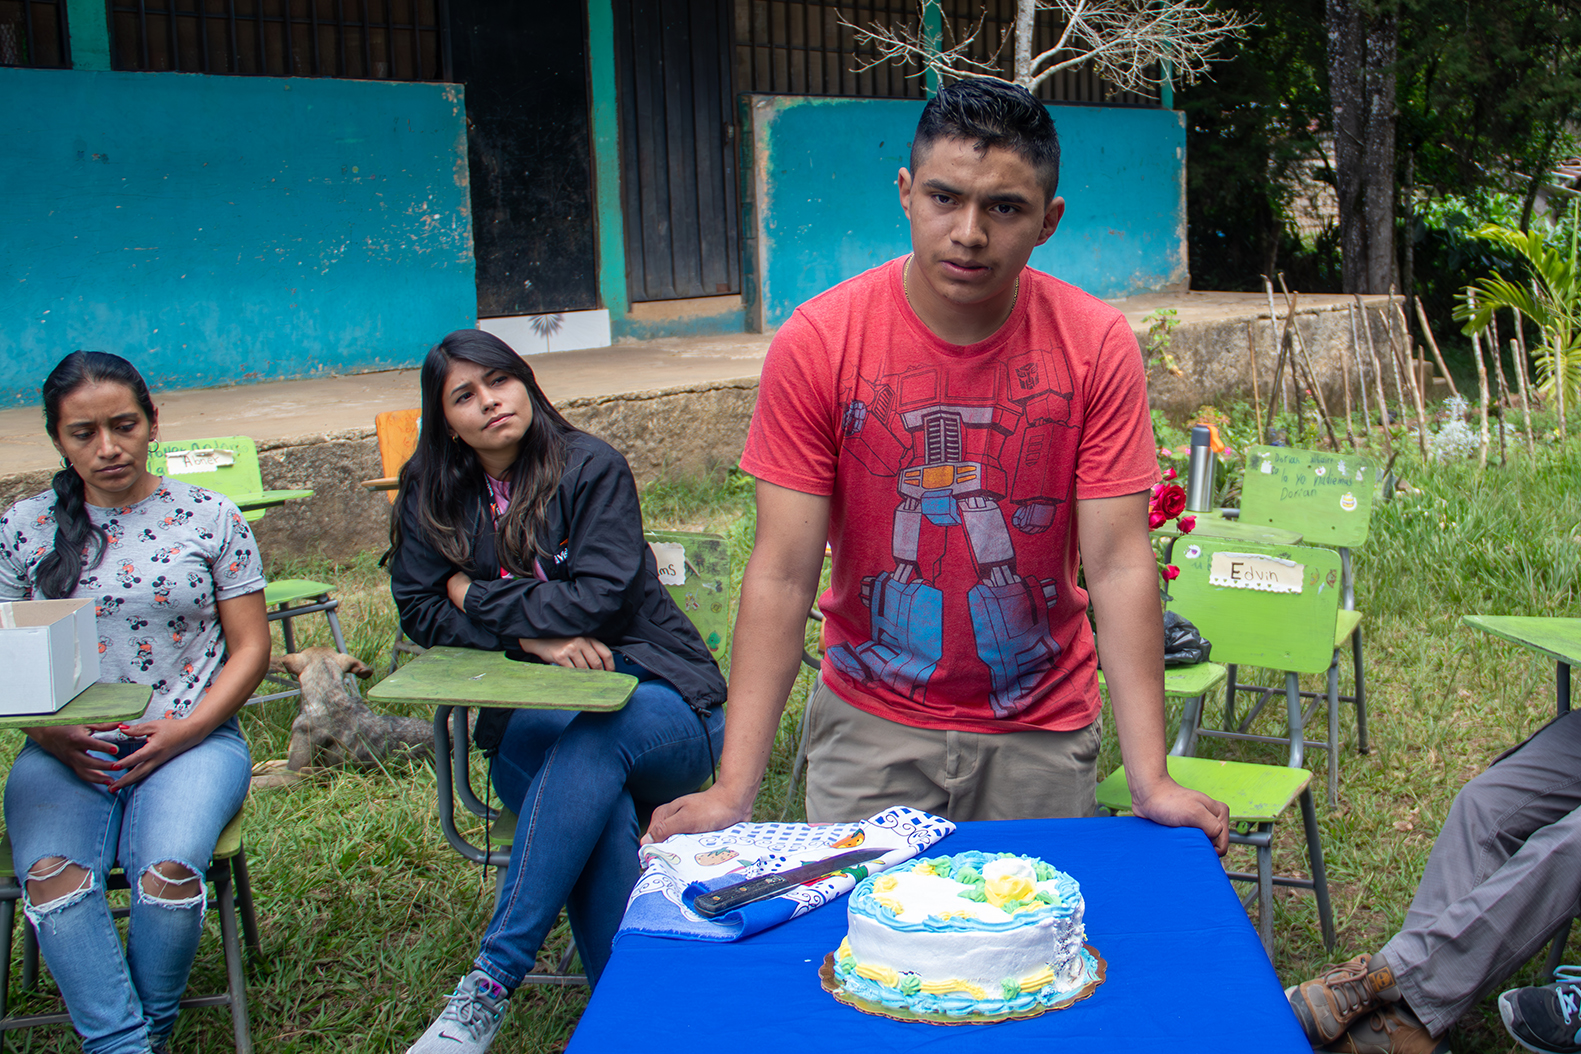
33 33
800 47
370 39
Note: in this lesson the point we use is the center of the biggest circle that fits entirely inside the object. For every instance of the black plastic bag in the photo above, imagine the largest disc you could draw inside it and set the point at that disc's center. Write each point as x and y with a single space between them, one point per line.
1183 645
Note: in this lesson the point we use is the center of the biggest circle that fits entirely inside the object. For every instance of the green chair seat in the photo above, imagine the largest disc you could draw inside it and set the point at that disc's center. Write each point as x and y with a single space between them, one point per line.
502 832
1185 681
1345 626
290 590
1254 793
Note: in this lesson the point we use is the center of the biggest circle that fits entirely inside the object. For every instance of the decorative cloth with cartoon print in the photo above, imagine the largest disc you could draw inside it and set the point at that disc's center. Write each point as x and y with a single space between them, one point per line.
953 474
169 560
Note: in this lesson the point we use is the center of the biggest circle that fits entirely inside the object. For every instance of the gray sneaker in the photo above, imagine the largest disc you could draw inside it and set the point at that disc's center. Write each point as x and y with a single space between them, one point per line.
470 1019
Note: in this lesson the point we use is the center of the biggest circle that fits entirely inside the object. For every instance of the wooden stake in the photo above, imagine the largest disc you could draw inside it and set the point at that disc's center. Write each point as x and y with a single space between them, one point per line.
1281 345
1504 389
1427 331
1394 360
1396 312
1377 376
1526 409
1306 362
1518 353
1257 399
1482 383
1361 375
1344 373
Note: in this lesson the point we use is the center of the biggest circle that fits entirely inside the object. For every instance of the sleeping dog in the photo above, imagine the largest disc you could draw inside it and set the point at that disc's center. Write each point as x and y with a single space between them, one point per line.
336 728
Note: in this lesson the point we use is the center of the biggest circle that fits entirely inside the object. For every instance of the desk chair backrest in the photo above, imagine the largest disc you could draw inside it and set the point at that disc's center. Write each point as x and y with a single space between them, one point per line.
397 432
1326 496
227 465
1253 626
695 568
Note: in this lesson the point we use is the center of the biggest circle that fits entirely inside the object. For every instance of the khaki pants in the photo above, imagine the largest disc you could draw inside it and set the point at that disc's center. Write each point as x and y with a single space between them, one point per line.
859 764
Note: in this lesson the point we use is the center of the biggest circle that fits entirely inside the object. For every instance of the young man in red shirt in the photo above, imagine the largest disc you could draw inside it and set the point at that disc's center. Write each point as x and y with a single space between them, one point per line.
955 424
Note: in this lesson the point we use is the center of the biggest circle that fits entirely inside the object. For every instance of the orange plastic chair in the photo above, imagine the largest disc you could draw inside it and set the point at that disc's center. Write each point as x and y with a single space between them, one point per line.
397 433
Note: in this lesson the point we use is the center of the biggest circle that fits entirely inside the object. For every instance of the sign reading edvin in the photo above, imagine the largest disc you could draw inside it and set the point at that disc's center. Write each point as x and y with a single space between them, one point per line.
1255 571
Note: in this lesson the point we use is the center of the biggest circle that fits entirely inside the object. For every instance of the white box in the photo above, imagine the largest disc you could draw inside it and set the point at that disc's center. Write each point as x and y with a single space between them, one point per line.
49 650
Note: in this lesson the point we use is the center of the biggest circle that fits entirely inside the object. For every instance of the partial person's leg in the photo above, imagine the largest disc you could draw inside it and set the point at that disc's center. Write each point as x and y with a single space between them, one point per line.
1022 775
173 819
1504 872
63 839
859 764
655 747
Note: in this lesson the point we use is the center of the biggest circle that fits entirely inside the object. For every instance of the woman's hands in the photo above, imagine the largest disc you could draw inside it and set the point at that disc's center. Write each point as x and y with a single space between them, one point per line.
70 745
576 653
165 738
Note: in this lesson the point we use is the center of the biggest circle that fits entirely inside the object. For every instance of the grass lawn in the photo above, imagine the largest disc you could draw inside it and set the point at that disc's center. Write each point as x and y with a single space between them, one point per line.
368 917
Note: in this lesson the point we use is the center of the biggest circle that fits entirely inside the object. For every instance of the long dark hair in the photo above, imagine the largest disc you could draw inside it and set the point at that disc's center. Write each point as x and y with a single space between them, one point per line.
444 478
75 533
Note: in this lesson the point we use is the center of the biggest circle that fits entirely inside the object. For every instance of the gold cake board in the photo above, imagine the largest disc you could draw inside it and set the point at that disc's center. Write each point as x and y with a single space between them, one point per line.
832 985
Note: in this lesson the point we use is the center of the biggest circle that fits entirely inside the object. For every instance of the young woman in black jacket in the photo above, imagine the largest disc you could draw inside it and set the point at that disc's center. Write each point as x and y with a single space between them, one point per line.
514 531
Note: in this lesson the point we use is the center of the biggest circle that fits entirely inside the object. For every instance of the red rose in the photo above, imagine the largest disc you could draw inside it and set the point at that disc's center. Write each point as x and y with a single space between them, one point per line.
1172 500
1169 474
1187 524
1155 519
1171 572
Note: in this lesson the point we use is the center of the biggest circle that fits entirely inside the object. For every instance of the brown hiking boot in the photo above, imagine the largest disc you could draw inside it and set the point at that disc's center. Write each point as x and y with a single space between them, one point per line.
1391 1029
1327 1005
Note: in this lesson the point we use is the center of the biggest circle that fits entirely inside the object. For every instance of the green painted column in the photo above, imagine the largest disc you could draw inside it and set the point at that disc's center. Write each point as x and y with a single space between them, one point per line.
1166 87
612 291
88 26
933 31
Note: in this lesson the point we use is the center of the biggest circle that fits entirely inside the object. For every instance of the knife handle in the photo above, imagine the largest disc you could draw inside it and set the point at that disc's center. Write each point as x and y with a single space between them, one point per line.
710 905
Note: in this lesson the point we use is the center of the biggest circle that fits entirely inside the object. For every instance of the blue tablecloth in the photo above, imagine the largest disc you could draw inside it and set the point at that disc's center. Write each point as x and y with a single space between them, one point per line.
1186 969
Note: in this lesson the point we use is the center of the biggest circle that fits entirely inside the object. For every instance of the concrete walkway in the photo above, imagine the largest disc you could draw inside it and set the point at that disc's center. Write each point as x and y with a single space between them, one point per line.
340 407
344 406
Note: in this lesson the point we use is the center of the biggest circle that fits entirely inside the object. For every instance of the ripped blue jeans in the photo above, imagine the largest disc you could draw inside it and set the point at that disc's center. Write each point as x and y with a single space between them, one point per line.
123 1001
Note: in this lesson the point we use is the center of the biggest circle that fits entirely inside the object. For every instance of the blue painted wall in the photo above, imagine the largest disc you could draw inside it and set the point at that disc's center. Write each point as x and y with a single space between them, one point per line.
228 229
826 206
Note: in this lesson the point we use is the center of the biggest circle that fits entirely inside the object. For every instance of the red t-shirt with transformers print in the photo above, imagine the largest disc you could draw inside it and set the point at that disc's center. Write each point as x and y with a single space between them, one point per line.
953 473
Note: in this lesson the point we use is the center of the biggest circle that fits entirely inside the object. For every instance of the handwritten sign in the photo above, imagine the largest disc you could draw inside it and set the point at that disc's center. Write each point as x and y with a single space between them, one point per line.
672 562
188 462
1255 571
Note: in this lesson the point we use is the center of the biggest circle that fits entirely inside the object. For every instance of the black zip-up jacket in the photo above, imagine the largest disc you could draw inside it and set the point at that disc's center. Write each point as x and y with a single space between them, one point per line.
603 581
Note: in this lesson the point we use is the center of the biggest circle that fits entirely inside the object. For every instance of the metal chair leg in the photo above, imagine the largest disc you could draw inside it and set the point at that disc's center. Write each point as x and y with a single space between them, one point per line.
234 974
244 903
1265 892
1229 697
285 630
1293 720
1333 731
1319 872
29 955
1361 692
7 920
1556 954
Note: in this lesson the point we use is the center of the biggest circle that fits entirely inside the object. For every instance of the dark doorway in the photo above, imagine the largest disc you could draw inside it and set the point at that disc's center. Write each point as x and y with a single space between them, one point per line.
678 147
525 70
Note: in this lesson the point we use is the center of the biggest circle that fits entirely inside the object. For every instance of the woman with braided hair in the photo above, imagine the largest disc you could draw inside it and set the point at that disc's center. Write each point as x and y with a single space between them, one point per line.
178 591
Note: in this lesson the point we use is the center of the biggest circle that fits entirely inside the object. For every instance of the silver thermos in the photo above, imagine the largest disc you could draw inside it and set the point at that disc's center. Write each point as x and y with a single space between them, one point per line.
1204 466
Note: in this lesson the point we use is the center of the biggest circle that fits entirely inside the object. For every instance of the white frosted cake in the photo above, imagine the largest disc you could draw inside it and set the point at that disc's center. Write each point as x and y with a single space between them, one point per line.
973 934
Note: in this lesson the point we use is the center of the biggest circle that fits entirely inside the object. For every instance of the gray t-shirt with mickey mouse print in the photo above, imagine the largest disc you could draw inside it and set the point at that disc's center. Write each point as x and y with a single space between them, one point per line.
170 559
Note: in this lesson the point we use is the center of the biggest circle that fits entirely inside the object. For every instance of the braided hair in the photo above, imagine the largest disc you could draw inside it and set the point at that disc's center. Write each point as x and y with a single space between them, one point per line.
75 534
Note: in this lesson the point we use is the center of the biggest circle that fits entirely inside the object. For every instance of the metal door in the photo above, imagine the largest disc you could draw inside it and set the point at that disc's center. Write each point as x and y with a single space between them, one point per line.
678 147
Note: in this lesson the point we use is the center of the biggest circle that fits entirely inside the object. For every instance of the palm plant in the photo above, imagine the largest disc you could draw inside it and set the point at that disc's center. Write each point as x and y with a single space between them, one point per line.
1552 302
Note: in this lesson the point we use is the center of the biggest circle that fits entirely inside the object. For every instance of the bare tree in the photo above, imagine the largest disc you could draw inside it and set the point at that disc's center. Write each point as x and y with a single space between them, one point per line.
1132 44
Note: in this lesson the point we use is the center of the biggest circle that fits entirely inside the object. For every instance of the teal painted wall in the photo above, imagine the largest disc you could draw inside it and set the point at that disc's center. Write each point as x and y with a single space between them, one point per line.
826 206
220 230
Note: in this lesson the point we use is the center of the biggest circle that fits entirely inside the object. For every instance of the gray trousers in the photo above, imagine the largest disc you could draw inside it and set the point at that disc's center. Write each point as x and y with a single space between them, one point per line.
1504 873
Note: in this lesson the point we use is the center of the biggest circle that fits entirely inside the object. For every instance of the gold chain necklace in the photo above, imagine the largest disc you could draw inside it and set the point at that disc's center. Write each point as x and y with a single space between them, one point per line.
905 287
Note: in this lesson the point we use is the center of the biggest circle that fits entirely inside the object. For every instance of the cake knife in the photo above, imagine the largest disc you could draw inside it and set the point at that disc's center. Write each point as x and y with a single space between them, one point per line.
728 898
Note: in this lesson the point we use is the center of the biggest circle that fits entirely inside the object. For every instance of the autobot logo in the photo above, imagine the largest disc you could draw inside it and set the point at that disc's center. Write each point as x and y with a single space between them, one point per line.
1027 376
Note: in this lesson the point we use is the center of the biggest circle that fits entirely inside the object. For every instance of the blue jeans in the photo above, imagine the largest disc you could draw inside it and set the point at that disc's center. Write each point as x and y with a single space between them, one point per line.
576 780
120 1002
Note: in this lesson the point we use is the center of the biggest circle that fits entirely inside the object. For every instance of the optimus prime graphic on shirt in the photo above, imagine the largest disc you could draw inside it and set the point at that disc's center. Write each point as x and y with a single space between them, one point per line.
980 460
